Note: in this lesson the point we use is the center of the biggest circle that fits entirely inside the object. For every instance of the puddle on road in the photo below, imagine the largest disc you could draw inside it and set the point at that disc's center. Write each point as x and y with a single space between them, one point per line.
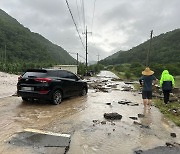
124 136
76 115
37 138
160 150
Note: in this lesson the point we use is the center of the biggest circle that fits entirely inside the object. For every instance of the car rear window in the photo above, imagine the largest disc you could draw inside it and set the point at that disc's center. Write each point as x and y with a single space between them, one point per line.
34 74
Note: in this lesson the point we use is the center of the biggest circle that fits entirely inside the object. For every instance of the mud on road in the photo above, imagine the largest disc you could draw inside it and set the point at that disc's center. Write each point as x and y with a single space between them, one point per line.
83 118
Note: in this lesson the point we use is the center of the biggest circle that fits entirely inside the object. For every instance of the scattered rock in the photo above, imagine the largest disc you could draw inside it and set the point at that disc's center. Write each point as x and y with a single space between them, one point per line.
95 121
176 90
103 122
160 150
113 130
145 126
141 115
135 104
112 116
124 102
156 95
138 152
130 82
134 118
108 103
137 123
109 134
169 144
142 126
126 89
173 99
112 123
173 134
116 79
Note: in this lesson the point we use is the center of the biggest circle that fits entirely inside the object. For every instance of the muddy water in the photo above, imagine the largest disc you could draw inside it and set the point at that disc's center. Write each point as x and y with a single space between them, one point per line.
76 115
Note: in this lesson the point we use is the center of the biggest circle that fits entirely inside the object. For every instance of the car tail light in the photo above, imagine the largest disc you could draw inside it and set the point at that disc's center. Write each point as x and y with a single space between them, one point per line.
19 78
44 80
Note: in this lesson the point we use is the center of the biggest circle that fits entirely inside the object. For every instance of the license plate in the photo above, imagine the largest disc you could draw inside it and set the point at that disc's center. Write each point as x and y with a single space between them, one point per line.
27 88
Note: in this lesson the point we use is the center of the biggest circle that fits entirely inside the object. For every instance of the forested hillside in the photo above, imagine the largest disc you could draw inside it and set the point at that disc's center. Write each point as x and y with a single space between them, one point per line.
165 49
19 45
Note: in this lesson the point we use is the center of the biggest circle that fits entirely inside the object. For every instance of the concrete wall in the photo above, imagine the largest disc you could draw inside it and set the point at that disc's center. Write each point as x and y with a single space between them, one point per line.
71 68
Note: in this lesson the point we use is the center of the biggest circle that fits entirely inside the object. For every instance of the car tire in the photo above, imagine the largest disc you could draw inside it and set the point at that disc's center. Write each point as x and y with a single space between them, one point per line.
84 92
25 99
57 97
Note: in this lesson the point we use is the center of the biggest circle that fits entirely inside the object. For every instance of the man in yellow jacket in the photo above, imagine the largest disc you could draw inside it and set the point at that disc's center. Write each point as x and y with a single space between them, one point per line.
166 83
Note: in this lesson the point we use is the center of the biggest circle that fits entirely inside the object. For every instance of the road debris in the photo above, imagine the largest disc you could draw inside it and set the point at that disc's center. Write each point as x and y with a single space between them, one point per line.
112 116
173 134
141 125
103 122
37 138
141 115
126 88
134 118
126 102
161 150
173 144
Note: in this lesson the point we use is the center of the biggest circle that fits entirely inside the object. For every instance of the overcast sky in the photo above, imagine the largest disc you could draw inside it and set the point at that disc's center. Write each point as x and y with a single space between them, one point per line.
117 24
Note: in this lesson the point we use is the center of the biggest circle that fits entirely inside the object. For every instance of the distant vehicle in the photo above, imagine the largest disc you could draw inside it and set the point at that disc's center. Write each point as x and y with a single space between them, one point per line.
50 84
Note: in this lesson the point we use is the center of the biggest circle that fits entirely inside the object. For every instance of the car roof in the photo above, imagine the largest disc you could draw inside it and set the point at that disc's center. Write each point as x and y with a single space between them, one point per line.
44 70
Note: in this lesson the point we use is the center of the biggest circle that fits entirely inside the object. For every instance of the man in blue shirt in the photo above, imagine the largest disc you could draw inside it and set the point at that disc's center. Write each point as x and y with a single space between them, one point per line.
146 81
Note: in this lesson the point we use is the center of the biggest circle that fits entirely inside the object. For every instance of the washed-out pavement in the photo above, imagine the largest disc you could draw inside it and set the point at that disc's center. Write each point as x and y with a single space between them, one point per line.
7 84
138 130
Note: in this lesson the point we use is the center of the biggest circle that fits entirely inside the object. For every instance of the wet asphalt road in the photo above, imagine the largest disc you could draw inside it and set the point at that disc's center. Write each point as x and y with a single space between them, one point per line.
82 117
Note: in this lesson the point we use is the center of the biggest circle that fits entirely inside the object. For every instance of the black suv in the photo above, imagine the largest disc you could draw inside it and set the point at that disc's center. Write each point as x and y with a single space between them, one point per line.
50 84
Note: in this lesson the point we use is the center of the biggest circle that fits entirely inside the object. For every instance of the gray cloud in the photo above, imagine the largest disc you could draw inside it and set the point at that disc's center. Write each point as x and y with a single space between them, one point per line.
118 24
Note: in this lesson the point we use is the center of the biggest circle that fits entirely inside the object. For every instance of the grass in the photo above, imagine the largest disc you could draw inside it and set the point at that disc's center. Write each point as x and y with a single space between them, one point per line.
122 76
167 110
119 74
177 81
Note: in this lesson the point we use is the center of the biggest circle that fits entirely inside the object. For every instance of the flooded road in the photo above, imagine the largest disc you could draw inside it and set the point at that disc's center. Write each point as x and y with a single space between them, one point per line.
83 118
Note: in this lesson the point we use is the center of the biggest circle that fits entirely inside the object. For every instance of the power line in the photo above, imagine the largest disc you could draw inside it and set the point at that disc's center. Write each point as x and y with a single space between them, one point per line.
74 23
83 14
79 15
78 55
93 14
82 57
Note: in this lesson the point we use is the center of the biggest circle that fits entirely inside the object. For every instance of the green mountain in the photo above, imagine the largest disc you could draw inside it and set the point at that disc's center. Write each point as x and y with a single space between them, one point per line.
165 49
22 45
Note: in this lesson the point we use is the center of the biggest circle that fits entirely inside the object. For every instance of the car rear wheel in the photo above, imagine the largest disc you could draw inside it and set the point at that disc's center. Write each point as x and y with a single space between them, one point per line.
57 97
84 92
25 99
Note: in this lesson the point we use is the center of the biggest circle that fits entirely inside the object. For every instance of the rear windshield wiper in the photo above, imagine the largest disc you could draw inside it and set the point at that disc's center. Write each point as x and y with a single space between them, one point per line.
32 76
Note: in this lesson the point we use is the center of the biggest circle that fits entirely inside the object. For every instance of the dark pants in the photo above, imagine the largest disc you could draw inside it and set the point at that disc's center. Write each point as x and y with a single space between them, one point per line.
166 95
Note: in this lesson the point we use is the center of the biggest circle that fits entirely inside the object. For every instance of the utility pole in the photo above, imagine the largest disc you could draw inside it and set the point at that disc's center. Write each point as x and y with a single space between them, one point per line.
86 47
77 60
98 58
147 61
2 56
5 57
